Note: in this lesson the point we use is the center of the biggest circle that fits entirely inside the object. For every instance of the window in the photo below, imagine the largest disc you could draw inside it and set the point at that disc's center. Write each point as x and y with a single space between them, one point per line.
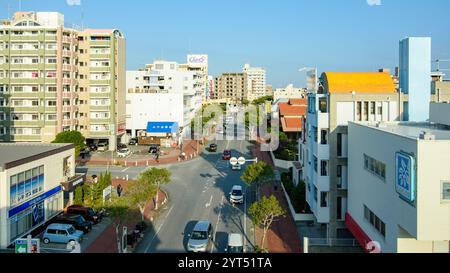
51 117
446 191
375 167
324 168
323 137
323 200
375 221
2 131
339 144
339 208
51 89
51 103
26 185
372 108
315 163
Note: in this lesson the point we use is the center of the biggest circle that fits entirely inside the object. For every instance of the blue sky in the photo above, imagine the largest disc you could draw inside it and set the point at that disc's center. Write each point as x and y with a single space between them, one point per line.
282 36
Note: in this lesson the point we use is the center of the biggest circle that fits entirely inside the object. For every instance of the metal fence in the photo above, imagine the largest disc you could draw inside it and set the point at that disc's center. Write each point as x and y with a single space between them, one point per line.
330 242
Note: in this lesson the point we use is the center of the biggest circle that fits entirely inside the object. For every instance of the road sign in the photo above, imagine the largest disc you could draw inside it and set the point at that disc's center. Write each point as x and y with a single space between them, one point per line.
234 161
242 160
21 246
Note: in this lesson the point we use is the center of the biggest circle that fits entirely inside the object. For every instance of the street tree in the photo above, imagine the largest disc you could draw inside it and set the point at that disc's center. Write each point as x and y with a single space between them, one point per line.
120 211
74 137
257 174
157 177
140 193
264 213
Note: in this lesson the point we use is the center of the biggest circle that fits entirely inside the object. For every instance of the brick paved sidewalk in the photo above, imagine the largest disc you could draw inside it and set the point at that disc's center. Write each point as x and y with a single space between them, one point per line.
107 241
189 148
282 236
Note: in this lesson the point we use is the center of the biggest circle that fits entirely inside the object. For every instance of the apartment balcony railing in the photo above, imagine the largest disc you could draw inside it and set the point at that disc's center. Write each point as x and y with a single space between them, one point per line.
69 122
69 81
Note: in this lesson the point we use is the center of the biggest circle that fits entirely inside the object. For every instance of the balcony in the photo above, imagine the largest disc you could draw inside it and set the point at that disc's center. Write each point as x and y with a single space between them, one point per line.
69 122
69 54
69 81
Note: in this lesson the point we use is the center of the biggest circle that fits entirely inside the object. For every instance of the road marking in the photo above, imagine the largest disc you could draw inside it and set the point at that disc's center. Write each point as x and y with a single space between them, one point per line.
157 231
126 169
217 223
210 202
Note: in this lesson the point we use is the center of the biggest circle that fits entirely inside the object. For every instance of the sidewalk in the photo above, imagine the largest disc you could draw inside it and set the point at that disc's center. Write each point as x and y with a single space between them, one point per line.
189 148
107 241
283 235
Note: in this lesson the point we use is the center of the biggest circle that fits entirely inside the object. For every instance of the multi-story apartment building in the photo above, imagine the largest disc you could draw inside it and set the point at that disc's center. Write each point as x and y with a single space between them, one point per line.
231 86
399 185
289 92
41 82
102 85
199 63
256 81
162 93
342 97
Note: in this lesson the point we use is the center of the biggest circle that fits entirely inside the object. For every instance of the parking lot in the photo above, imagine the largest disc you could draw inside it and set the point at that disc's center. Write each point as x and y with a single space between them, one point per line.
140 152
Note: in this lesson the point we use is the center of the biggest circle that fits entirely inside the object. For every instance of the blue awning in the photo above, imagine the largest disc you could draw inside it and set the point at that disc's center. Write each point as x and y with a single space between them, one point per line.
162 127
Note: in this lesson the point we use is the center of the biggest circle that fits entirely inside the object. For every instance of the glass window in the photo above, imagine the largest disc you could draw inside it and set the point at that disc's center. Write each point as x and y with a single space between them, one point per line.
13 189
446 191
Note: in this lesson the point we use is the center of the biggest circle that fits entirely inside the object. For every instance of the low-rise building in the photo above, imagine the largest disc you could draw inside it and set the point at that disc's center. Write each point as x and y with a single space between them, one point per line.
399 184
289 92
31 192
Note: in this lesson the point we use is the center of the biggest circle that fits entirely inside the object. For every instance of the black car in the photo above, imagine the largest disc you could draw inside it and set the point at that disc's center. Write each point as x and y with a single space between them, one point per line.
213 148
85 152
133 142
77 221
154 148
92 147
121 146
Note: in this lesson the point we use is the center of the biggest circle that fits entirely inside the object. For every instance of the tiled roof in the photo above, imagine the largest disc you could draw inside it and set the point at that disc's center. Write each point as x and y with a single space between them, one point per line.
291 124
369 82
292 110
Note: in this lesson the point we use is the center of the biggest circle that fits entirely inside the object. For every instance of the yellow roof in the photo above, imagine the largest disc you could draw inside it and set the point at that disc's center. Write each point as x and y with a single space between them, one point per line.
347 82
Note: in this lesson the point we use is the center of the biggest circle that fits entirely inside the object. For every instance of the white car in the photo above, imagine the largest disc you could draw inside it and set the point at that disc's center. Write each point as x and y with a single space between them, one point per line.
102 147
235 243
237 195
236 167
123 152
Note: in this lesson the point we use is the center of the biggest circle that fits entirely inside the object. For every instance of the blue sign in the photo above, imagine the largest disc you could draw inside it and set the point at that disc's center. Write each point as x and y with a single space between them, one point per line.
405 180
162 127
34 202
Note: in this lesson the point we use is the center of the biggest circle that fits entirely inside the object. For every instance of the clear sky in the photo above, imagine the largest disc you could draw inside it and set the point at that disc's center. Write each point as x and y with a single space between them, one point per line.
282 35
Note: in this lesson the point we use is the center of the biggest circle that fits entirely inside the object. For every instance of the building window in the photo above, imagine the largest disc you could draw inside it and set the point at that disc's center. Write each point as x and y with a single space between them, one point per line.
26 185
2 131
339 176
323 199
358 110
372 108
315 163
323 168
339 144
375 167
324 137
375 221
51 103
446 191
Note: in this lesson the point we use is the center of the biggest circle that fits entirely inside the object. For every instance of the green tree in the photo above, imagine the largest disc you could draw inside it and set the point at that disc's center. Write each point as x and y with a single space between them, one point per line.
78 196
283 137
120 211
257 174
74 137
157 177
140 193
264 213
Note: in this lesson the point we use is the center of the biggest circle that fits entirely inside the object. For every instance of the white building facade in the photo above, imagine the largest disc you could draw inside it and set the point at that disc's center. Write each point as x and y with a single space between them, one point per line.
289 92
399 186
257 83
162 93
31 192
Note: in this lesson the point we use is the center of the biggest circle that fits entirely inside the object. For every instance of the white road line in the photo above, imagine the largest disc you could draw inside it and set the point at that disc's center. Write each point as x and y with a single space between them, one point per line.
157 231
210 202
126 169
217 223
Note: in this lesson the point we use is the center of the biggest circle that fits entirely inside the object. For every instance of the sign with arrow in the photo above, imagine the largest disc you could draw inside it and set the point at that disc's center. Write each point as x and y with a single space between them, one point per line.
21 246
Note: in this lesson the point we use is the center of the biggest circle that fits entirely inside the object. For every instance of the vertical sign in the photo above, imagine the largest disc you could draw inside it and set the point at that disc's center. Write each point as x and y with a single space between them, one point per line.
405 180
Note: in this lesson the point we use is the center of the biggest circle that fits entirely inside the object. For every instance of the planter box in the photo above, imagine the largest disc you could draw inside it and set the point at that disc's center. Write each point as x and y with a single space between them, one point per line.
282 164
298 217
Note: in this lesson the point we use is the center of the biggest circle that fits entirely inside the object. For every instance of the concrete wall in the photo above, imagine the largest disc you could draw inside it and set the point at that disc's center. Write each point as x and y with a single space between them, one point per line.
440 113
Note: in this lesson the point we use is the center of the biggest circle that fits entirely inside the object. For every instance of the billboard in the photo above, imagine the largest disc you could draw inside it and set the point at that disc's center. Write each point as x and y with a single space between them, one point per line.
197 60
405 180
311 81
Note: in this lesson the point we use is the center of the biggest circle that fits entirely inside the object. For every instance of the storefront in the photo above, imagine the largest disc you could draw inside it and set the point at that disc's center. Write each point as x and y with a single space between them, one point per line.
70 187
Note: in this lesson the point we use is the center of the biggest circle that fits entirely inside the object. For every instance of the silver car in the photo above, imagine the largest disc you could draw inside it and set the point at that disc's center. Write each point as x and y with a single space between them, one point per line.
201 237
237 195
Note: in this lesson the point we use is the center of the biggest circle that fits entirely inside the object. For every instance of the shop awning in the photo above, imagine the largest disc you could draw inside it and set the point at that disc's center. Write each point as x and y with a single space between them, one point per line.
162 127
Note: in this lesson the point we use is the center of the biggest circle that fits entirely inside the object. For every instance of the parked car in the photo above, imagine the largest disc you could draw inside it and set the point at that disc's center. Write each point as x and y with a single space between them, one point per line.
93 147
201 237
88 213
77 221
237 195
85 152
102 147
133 142
123 152
153 149
121 146
213 148
226 155
235 243
62 233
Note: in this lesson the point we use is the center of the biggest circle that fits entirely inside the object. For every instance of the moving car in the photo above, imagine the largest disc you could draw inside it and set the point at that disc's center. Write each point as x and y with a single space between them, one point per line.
93 147
235 243
153 149
88 213
236 167
62 233
102 147
237 195
133 141
121 146
124 152
213 148
201 237
77 221
226 155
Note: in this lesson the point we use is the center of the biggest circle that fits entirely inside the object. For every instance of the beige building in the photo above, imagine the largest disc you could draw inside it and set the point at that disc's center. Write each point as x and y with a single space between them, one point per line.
399 185
256 82
289 92
231 87
55 79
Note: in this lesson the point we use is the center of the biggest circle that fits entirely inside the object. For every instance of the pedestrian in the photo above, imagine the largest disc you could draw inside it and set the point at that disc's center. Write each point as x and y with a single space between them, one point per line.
119 190
157 156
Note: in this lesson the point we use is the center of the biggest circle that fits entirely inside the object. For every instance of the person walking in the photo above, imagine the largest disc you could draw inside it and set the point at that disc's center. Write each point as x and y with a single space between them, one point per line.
119 190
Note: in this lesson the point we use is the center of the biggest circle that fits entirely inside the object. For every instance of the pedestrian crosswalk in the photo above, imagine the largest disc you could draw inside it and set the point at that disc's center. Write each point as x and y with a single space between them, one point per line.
222 165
